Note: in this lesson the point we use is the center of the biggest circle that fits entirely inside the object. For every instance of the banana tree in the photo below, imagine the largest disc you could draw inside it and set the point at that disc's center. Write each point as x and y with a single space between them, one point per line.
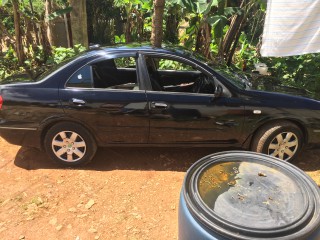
133 14
27 20
208 20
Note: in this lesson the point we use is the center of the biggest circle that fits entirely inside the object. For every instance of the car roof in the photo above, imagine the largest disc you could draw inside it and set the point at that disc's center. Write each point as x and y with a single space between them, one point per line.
143 47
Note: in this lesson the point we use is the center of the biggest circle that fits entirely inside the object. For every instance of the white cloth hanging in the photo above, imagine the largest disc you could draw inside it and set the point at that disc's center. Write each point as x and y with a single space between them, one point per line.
292 27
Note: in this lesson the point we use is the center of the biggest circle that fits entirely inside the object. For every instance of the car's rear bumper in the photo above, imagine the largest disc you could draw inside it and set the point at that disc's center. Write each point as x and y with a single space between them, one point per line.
27 137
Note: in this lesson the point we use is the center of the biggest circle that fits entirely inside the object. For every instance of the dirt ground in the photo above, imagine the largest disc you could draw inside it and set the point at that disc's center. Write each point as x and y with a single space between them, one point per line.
125 193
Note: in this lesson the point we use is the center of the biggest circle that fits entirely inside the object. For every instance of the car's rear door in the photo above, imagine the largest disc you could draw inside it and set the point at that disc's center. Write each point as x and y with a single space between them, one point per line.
105 95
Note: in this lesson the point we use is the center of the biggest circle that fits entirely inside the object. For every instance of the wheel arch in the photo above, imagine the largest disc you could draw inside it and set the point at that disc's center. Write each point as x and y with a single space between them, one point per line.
45 126
248 142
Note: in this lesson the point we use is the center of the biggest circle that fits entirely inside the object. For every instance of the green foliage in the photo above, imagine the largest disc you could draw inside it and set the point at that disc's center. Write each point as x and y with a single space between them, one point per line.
247 54
263 4
167 64
298 71
125 62
199 6
3 2
301 72
60 54
38 5
214 12
8 63
119 39
218 23
59 13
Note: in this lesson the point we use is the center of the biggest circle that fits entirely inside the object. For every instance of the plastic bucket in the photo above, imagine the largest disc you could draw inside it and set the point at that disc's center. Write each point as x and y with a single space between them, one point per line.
246 195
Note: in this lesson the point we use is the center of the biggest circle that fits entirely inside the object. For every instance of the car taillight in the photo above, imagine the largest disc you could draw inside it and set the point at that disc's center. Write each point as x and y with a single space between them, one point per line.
1 101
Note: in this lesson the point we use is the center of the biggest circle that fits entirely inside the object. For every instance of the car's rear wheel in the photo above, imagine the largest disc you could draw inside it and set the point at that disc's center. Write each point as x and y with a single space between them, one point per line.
280 139
70 144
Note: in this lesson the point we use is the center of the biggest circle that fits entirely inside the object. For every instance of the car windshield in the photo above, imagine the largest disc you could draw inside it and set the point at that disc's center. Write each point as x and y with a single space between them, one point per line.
238 79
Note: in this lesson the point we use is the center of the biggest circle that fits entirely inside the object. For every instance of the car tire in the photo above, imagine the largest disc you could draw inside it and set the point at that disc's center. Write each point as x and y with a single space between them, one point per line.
280 139
70 144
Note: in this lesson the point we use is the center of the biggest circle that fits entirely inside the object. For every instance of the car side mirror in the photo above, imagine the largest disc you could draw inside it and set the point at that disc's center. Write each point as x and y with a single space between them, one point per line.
218 92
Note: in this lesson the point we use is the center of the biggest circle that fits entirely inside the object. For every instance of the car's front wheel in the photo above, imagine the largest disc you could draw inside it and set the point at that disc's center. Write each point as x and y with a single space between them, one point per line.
70 144
280 139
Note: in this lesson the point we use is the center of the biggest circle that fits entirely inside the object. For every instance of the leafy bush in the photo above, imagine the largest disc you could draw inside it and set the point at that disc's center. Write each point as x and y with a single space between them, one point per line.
9 62
59 54
299 71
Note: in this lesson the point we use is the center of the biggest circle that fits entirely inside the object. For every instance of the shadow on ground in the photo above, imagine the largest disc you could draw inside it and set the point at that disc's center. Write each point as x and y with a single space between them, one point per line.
123 158
148 158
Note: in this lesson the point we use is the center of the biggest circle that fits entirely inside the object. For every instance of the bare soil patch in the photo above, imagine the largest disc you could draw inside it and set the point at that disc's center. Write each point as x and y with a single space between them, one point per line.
125 193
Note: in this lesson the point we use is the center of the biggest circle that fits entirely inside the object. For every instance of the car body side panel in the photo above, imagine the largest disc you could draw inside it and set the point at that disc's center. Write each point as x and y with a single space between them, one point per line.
115 116
28 107
195 118
262 108
23 110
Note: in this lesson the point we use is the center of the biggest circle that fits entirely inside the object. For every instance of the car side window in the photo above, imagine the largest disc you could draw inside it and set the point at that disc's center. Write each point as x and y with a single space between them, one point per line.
168 64
125 62
82 78
171 75
115 73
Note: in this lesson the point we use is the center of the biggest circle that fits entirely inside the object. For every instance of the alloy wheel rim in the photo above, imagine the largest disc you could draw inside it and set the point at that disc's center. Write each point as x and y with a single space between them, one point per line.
284 146
69 146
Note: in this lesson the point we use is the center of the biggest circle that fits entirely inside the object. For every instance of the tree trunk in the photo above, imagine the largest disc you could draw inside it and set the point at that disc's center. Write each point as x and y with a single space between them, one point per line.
157 31
128 29
79 22
232 35
234 28
34 25
48 10
44 41
172 22
230 53
118 24
68 29
28 34
204 39
140 23
18 34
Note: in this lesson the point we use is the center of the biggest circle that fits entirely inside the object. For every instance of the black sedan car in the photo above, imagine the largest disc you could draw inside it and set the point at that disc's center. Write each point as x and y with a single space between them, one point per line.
152 97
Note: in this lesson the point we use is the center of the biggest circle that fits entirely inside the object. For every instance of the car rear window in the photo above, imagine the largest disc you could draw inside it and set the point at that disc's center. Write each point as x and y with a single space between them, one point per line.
81 79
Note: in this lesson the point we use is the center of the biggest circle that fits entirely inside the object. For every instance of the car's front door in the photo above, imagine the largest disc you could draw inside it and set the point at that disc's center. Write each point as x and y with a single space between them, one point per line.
185 109
105 95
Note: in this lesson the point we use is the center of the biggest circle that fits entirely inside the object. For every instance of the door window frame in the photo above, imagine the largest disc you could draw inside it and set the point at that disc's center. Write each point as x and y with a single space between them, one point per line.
178 59
139 73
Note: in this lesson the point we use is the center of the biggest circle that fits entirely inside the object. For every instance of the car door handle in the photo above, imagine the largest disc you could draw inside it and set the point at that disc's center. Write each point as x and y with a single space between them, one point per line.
158 105
78 102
